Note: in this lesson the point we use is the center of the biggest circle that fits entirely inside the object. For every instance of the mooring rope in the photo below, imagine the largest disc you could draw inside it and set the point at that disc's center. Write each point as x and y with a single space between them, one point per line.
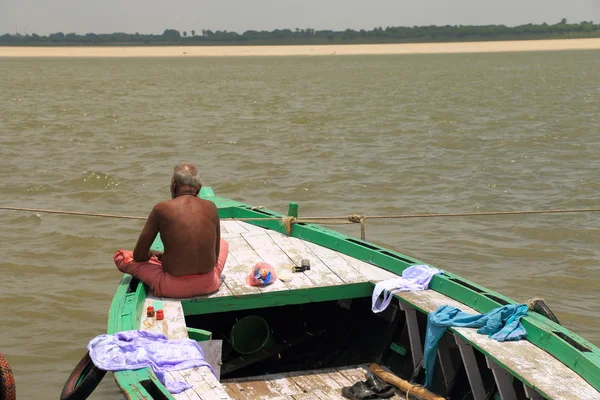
86 214
288 221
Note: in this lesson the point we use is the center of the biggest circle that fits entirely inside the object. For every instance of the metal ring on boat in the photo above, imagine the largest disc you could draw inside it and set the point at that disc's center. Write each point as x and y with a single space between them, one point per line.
7 381
83 380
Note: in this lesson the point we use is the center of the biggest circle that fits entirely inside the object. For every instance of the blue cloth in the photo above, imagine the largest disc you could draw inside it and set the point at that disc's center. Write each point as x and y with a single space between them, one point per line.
139 349
501 324
415 277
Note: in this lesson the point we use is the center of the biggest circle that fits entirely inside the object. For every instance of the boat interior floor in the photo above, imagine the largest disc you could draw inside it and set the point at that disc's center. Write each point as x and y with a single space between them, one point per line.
322 384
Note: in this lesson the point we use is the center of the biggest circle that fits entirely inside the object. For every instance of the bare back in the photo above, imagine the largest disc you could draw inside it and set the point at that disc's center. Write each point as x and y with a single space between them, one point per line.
190 231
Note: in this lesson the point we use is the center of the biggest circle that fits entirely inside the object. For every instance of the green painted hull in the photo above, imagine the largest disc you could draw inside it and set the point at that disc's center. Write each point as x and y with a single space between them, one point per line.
575 352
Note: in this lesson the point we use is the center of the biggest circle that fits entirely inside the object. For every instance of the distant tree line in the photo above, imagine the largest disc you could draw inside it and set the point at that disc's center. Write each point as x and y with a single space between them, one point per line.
399 34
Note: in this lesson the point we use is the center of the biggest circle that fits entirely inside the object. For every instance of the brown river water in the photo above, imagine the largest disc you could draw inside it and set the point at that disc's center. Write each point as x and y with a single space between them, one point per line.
375 135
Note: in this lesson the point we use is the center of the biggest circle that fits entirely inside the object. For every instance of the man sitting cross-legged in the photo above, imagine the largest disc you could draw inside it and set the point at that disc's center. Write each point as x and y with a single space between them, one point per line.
189 227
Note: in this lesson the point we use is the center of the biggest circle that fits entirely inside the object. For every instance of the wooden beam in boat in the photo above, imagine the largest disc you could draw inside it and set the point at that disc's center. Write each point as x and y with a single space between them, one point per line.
473 374
532 394
503 381
416 346
447 367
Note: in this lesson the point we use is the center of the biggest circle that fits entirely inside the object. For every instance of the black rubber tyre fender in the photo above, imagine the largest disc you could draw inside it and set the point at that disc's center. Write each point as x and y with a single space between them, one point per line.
539 306
7 381
83 380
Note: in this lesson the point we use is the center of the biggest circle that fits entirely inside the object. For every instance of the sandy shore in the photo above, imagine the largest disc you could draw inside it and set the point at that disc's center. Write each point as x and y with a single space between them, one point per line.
321 50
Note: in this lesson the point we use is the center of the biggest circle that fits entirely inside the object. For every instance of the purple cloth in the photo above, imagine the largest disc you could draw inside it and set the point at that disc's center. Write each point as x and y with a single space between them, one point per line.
139 349
415 277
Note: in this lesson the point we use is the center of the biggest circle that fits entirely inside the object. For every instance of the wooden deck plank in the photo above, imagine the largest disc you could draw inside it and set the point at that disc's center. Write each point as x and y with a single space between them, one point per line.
227 236
222 292
354 374
324 384
175 376
270 253
261 388
235 276
224 229
297 250
173 326
280 384
205 384
306 396
247 257
369 271
250 227
337 264
535 365
324 378
233 227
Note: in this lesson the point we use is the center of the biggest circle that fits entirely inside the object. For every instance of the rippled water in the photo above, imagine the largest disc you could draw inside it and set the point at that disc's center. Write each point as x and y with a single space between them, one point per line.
367 134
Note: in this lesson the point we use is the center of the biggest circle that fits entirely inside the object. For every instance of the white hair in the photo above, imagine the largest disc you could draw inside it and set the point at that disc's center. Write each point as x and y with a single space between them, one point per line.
186 175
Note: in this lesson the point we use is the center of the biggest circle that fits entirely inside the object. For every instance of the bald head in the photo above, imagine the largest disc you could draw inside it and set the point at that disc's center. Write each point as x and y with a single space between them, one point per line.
186 175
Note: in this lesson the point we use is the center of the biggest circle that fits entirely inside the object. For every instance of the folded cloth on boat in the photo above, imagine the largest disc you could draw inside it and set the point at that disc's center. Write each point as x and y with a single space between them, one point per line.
501 324
138 349
415 277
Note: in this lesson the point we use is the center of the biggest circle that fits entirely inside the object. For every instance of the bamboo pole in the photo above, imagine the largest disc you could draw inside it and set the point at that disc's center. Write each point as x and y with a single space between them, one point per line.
405 386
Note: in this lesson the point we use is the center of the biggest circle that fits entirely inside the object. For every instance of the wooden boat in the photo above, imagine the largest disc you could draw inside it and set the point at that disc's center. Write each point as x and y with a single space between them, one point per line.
309 336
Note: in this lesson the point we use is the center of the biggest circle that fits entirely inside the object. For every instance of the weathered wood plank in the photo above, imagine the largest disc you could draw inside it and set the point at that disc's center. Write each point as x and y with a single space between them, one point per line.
280 384
235 273
337 264
270 253
247 257
233 227
227 236
297 250
473 374
175 376
533 364
172 326
263 387
306 396
250 227
205 384
222 292
324 378
224 229
369 271
354 374
324 384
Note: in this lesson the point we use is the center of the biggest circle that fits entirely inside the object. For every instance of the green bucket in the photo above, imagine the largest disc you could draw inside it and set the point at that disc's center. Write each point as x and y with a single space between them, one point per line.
251 334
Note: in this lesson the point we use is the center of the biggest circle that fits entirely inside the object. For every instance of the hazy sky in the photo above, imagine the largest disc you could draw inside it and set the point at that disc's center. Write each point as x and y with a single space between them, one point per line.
153 16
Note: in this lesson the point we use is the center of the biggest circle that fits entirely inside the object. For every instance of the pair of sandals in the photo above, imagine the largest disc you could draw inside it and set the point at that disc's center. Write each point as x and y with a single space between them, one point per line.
373 388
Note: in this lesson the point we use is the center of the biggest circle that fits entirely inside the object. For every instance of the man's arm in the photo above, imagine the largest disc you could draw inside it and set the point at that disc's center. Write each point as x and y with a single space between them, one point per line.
142 248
